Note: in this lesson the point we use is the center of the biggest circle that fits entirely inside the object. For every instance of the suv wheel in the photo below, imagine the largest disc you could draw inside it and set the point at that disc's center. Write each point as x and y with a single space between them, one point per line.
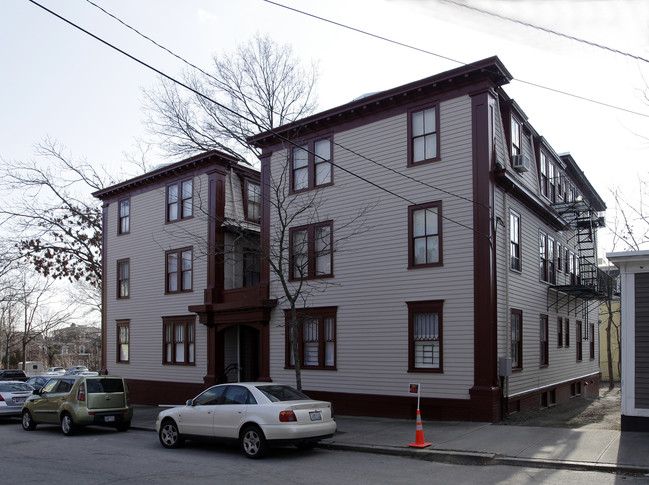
28 422
67 425
253 442
124 426
169 435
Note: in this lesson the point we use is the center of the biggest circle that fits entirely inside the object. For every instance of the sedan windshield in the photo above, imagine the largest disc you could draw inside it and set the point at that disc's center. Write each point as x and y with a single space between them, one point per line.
282 393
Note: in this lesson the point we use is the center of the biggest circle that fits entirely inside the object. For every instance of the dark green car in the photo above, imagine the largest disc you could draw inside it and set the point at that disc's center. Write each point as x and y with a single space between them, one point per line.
73 401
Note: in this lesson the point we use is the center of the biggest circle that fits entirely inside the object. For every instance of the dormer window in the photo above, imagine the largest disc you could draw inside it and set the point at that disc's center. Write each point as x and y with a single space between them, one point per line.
517 131
253 201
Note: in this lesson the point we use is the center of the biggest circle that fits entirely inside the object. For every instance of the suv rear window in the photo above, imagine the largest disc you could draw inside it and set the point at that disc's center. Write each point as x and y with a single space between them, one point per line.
96 386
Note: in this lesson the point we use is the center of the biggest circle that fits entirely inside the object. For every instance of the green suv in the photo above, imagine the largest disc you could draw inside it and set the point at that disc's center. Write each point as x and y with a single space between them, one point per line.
73 401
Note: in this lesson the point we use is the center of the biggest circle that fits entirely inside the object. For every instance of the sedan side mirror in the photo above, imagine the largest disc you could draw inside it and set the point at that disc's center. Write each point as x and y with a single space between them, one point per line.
190 402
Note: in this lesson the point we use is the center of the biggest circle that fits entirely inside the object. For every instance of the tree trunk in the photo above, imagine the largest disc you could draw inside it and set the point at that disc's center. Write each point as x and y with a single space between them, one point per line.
609 354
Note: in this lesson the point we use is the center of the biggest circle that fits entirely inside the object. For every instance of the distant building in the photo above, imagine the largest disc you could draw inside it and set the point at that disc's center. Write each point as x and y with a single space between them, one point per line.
611 307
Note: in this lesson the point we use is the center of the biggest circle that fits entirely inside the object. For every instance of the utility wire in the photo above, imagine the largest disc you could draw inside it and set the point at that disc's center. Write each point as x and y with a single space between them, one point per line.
409 46
243 117
546 30
421 182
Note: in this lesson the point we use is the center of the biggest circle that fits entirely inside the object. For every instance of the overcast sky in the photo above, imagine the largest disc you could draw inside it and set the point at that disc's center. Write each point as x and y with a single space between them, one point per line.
59 82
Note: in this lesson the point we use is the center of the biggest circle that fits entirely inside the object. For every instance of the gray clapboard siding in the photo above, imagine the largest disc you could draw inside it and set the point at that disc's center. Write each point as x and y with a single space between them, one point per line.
146 244
372 282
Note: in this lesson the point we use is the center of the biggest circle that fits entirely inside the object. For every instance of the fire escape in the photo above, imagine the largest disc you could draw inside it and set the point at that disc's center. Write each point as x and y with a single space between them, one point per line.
587 284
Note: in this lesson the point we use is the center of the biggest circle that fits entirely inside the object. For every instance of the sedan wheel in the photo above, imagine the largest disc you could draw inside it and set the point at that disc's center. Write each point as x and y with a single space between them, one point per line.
169 435
67 425
28 422
253 442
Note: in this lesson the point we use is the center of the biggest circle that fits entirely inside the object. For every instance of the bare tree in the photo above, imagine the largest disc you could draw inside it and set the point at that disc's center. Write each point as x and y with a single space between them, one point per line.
37 314
258 87
55 222
292 261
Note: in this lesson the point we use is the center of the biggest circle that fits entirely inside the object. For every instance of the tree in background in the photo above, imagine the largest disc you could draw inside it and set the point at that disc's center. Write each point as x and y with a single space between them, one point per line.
56 224
260 86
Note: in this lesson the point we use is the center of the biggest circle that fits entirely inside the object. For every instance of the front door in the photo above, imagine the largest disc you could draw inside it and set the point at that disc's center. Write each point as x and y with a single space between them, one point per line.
240 350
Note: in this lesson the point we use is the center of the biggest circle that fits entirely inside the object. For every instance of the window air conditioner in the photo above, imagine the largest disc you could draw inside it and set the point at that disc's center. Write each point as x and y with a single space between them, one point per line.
521 163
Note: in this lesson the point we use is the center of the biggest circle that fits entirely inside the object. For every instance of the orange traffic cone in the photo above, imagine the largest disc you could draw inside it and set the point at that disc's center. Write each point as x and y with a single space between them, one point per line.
419 435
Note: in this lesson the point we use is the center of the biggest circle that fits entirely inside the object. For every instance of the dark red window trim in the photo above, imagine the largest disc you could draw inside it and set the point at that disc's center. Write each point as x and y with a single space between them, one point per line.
311 251
320 314
188 336
309 146
411 239
180 289
418 109
428 306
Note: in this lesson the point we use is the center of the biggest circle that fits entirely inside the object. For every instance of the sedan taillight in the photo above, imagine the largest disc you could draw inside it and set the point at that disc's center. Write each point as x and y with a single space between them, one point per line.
1 398
287 417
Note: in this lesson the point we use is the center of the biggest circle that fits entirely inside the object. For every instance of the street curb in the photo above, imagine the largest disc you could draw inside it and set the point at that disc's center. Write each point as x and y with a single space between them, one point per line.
471 458
477 458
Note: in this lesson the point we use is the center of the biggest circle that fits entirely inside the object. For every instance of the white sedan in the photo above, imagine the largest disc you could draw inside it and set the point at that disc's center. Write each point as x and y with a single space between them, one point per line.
256 414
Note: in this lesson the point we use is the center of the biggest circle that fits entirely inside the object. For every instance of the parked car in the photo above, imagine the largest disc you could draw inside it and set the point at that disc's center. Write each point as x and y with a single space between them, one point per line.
12 396
76 369
74 401
55 370
12 375
38 381
256 415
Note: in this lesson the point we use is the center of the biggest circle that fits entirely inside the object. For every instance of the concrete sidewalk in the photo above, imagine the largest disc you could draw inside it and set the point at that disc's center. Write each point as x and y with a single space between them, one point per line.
481 443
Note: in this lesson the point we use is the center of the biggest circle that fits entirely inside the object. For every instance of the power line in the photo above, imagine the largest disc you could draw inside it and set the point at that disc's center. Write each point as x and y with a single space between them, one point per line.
177 56
283 138
546 30
409 46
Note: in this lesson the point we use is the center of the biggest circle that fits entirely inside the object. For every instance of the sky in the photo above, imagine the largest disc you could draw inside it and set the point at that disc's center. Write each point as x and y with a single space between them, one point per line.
60 83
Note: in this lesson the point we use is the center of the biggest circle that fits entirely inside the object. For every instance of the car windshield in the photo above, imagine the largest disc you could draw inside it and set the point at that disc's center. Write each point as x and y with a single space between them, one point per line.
282 393
105 385
14 386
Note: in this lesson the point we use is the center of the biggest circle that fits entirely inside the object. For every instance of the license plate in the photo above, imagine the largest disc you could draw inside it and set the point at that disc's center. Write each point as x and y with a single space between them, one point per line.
109 419
19 400
316 415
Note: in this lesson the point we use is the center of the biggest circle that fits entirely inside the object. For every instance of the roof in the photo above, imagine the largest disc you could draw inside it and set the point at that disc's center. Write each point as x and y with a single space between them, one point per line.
490 70
172 169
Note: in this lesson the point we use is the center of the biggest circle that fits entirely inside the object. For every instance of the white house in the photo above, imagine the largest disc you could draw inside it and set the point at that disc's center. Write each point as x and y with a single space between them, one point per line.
634 275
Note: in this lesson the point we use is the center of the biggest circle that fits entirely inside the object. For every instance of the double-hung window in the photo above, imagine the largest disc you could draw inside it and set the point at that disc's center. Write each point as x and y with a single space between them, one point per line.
516 340
179 270
547 264
543 256
425 336
253 201
515 241
311 165
516 136
123 278
559 332
311 251
123 340
124 216
423 131
179 340
180 200
425 234
316 338
544 174
578 340
544 347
